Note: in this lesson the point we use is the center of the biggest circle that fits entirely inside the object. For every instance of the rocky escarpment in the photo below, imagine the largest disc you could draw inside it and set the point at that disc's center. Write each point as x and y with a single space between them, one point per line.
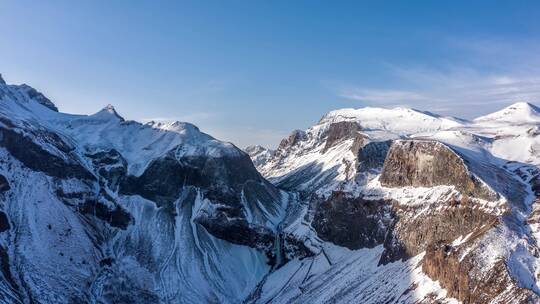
222 178
465 276
352 222
341 131
421 163
414 229
370 157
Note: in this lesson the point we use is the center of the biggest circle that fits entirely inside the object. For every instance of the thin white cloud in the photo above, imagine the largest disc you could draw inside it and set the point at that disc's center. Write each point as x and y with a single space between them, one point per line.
491 75
381 96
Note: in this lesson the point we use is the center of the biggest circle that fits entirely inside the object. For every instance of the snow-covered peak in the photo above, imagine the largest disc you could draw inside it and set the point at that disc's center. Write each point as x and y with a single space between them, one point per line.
108 112
519 112
259 154
138 143
173 126
254 149
398 120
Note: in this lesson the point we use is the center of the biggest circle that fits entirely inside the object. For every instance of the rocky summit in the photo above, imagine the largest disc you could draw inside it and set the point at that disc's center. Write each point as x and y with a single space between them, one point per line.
369 205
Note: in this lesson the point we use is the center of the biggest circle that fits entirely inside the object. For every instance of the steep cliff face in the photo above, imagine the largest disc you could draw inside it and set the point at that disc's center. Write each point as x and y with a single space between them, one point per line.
341 131
466 280
352 222
427 164
441 224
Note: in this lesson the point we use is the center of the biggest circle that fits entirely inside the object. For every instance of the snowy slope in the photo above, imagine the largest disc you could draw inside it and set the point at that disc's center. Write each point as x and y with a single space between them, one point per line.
397 120
498 152
80 228
520 112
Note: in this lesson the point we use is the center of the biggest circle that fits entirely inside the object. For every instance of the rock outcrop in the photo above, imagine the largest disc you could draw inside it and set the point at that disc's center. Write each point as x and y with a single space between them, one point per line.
259 155
410 234
422 163
352 222
341 131
466 280
288 143
34 156
4 184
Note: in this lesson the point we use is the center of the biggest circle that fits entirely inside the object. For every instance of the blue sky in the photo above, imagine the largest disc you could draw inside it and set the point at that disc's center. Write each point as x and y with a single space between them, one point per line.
251 71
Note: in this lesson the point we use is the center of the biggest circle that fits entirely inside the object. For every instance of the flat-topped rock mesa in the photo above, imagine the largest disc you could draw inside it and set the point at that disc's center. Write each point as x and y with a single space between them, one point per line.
428 163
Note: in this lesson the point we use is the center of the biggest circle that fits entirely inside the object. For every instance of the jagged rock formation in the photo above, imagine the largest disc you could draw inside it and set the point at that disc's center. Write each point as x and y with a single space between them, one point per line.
259 155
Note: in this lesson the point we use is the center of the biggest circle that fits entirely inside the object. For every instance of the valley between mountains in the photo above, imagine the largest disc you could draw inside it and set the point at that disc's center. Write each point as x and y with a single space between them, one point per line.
369 205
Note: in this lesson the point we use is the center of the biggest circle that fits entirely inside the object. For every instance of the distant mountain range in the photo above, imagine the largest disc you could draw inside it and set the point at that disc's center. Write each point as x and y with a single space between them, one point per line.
369 205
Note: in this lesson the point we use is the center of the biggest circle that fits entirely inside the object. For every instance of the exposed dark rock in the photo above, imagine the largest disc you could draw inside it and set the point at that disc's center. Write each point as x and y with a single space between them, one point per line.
6 271
222 178
237 230
2 81
295 248
106 262
36 158
4 222
4 184
372 155
352 222
111 166
116 217
427 164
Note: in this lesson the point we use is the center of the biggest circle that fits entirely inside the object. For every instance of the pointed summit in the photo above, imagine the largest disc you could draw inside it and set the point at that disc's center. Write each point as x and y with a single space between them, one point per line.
108 111
519 112
109 108
2 81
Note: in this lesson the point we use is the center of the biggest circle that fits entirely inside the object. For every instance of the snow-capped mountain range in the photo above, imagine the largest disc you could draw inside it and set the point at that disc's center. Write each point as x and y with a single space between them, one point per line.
369 205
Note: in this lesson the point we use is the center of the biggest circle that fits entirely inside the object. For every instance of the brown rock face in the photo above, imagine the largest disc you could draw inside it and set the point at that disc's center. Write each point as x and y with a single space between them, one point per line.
410 234
343 130
427 164
295 137
462 279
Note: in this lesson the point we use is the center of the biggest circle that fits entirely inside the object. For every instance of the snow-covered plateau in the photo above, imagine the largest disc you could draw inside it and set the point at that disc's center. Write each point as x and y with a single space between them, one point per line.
369 205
